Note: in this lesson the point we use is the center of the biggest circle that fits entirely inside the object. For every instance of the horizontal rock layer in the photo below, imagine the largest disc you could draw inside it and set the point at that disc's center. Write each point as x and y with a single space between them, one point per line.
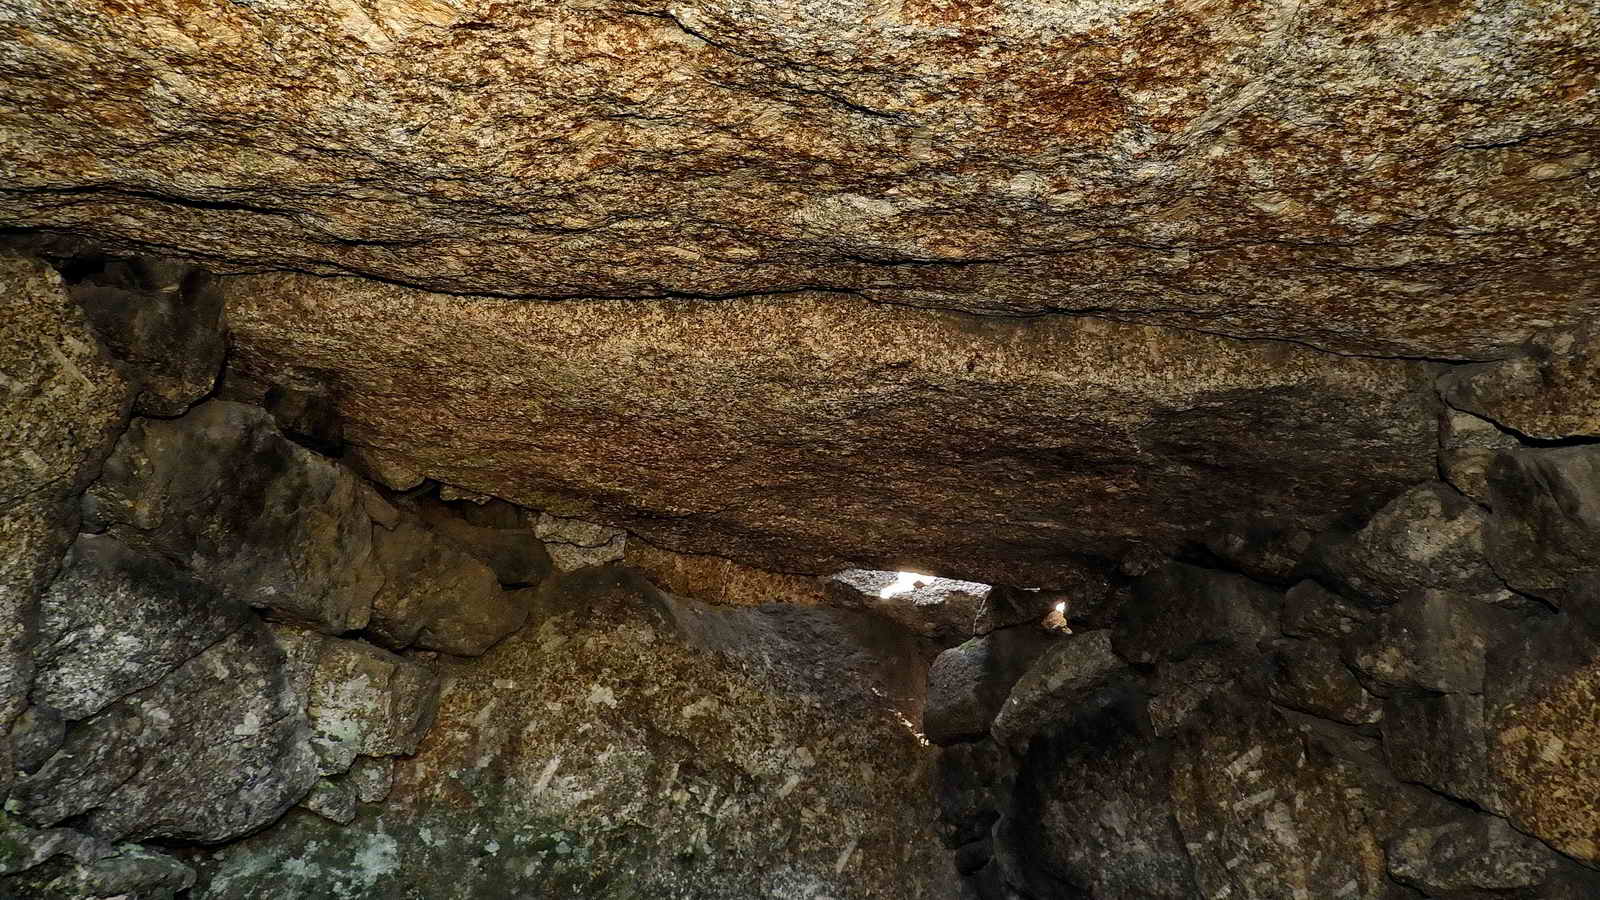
1396 178
806 432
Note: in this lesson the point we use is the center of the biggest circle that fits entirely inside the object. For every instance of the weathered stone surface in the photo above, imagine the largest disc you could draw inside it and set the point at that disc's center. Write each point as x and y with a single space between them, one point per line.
593 754
1179 610
1078 676
371 778
1467 446
436 595
517 557
1476 853
116 621
1434 641
62 864
1312 611
1545 532
61 405
37 735
333 801
1430 537
719 580
970 784
1311 676
360 699
392 470
163 321
1261 550
574 543
1442 742
968 684
944 610
1113 157
798 433
1548 393
267 521
1266 815
214 750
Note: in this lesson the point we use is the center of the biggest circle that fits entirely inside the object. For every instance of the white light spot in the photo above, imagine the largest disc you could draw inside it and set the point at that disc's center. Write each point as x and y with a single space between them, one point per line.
903 582
1062 607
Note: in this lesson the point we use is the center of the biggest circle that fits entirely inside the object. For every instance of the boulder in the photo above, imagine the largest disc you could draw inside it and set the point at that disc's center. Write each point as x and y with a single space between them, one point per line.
116 621
1312 611
216 749
437 596
1443 742
968 684
1180 610
944 610
1429 537
1434 641
1077 676
1310 676
360 700
62 403
223 493
1470 853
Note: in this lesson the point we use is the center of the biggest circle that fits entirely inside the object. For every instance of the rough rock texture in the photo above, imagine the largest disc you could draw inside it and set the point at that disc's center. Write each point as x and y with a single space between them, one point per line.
1400 178
500 539
360 700
1467 446
1481 853
61 405
719 580
222 493
968 684
1548 393
217 748
1430 537
574 543
1544 537
62 864
163 321
1077 676
596 755
807 433
438 596
944 610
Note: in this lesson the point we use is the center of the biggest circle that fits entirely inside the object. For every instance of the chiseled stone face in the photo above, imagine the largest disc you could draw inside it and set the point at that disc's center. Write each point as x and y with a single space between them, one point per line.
1384 177
804 433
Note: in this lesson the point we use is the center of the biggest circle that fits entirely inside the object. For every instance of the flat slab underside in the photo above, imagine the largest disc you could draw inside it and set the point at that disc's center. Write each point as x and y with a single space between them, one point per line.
806 432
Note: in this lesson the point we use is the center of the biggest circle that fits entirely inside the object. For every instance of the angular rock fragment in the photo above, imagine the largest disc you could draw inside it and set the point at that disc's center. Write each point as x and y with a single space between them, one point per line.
63 864
1544 534
968 684
1312 611
1467 446
1548 393
1442 742
1310 676
1078 676
944 610
117 621
360 700
574 543
507 546
217 748
1180 610
1430 537
163 321
437 596
1433 641
268 522
1472 853
332 800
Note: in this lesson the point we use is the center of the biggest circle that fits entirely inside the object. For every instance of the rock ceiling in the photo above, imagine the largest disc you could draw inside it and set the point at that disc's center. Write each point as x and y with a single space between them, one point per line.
1367 178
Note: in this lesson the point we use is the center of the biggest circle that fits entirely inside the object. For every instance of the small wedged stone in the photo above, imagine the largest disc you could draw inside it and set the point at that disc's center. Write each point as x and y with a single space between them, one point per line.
1429 537
332 800
944 610
1548 393
1077 676
575 543
1467 446
217 748
361 700
371 777
968 684
1312 611
1544 533
719 580
393 470
257 516
1263 550
437 596
1471 853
